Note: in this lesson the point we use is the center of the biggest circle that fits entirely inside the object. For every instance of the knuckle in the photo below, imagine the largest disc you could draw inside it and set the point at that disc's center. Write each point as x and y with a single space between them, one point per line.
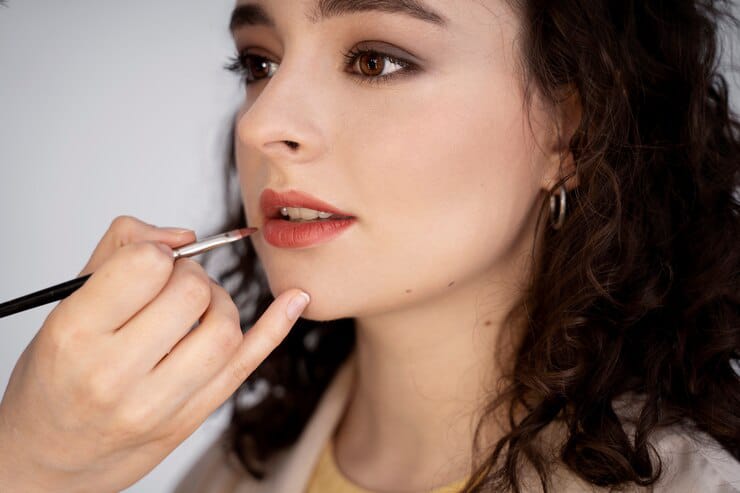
62 336
196 290
146 255
123 225
240 371
229 333
55 328
229 308
137 419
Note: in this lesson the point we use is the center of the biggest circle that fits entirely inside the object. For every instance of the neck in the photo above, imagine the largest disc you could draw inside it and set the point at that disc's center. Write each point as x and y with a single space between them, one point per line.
422 377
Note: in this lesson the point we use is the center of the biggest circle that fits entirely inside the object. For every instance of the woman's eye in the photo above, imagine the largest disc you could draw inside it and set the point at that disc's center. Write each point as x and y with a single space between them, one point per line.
366 65
251 68
371 66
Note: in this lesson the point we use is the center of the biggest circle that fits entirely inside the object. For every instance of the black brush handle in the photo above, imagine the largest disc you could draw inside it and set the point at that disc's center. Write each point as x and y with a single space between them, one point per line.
48 295
61 291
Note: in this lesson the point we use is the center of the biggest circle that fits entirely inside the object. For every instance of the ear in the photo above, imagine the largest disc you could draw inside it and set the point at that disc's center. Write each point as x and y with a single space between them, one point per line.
566 117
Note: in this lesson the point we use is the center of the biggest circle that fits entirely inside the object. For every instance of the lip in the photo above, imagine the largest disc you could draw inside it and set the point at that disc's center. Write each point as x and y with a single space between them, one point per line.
282 233
271 202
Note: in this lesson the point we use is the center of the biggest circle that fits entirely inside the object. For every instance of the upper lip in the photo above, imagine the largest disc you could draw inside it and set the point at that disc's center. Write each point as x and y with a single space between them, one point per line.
272 201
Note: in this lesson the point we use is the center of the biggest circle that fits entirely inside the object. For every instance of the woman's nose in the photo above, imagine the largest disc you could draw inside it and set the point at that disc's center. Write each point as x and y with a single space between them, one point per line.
283 120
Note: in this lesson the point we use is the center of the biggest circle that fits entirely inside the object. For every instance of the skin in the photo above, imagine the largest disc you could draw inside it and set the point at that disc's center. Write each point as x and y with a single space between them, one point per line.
115 379
445 175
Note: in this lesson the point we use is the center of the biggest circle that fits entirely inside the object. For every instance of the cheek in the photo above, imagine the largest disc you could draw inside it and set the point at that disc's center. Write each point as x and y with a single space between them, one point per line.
252 178
446 177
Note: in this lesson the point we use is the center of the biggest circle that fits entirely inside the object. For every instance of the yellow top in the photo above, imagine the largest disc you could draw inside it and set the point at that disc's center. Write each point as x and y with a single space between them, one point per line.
327 478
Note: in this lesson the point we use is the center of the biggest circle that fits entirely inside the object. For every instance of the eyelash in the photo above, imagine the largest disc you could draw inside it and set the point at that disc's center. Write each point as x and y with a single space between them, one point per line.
239 64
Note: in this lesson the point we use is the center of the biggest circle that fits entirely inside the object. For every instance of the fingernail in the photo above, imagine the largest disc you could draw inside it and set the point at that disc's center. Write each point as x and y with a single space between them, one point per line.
297 304
178 231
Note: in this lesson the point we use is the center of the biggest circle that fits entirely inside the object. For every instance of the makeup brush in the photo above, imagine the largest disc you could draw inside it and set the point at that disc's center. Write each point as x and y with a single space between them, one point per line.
61 291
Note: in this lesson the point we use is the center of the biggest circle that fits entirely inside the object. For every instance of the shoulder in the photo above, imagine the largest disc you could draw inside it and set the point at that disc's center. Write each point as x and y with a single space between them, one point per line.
690 460
694 461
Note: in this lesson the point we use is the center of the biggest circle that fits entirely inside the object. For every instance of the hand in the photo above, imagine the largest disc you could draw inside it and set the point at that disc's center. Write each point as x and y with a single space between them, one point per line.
115 378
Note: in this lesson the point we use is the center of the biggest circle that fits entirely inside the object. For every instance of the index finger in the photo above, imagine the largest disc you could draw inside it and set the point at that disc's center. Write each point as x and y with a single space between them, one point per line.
257 344
125 230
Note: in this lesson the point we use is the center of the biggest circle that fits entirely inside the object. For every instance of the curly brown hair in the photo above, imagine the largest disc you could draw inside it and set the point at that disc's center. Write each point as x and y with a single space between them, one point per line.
636 294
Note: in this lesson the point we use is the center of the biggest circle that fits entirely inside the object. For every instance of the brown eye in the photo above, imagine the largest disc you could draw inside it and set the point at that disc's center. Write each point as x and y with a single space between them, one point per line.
258 67
374 63
376 67
252 68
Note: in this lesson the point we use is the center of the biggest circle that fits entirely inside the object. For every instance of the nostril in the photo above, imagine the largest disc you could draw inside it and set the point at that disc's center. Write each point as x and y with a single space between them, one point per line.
291 144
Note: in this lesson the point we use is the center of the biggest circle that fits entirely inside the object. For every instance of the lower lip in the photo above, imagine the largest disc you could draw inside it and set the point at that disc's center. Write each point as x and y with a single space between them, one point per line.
286 234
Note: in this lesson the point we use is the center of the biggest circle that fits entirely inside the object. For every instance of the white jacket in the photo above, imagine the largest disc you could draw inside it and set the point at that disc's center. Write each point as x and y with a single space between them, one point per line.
689 466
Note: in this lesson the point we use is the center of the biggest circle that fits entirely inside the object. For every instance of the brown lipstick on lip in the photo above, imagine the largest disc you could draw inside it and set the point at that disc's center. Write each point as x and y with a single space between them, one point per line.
61 291
282 231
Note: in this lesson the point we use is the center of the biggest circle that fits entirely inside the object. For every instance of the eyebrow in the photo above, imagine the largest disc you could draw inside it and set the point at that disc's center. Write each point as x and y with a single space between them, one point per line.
251 14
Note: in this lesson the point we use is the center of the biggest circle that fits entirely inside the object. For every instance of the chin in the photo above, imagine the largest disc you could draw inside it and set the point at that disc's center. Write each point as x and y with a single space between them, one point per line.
324 312
324 306
319 315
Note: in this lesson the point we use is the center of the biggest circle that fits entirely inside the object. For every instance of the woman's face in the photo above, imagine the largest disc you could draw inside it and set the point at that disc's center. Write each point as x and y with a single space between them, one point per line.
438 164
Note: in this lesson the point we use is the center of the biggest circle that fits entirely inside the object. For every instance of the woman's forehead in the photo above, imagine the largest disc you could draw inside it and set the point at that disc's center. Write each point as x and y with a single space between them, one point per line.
439 14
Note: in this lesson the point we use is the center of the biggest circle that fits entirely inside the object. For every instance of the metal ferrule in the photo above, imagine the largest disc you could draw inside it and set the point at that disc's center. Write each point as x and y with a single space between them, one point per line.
206 244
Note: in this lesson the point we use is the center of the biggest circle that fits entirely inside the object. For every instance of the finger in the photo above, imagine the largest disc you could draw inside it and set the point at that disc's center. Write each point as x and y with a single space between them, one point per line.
199 356
158 327
125 230
121 287
257 343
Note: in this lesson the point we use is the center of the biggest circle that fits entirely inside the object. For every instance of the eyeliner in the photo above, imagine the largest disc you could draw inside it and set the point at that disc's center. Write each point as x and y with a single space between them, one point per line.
61 291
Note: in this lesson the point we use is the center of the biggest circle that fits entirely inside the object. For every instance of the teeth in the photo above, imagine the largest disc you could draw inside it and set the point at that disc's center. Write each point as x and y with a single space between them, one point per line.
299 213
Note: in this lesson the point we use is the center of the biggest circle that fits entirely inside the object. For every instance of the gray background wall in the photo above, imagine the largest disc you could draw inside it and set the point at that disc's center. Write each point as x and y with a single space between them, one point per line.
110 108
106 108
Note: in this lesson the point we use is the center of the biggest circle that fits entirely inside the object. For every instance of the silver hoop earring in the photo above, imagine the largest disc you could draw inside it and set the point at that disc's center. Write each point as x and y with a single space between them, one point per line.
557 224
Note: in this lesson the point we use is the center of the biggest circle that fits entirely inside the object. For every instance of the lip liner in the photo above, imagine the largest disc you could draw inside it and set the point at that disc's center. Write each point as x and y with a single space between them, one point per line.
61 291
